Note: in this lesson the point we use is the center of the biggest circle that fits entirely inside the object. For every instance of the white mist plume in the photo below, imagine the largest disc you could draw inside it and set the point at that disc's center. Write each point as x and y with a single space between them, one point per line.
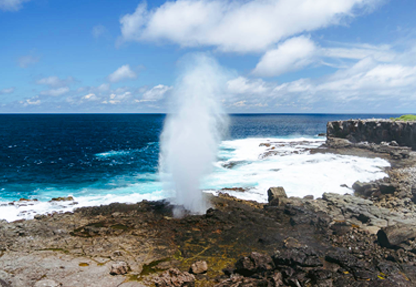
192 132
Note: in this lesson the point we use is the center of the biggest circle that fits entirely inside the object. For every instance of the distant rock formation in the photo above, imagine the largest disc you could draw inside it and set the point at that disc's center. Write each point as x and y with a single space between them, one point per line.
374 131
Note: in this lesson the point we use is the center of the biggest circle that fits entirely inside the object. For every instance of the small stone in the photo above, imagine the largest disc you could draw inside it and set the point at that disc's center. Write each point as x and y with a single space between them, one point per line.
199 267
119 268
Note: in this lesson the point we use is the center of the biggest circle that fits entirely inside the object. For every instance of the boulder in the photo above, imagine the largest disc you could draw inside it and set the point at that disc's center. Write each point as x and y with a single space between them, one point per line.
366 189
119 268
254 263
394 235
175 278
199 267
276 195
387 188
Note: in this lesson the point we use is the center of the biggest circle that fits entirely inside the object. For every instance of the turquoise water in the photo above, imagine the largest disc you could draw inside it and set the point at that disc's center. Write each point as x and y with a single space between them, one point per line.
102 158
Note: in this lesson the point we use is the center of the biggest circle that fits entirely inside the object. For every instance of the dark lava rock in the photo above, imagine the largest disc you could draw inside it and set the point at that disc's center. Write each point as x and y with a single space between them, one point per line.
254 263
276 195
392 236
387 188
304 257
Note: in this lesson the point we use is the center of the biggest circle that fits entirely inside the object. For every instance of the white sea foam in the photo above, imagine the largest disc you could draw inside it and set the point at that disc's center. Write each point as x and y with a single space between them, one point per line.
292 167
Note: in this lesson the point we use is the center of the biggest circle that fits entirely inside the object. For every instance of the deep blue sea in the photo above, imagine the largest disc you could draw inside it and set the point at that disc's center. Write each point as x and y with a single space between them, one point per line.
102 158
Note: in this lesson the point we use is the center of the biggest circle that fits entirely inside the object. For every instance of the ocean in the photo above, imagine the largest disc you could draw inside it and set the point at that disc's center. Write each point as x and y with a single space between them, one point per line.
104 158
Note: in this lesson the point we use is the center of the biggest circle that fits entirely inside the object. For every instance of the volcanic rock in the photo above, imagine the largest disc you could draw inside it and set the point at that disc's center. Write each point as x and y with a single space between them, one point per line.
393 236
276 195
175 278
254 263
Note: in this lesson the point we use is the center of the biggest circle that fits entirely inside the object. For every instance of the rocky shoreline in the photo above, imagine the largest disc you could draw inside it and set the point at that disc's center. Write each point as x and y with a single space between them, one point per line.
366 239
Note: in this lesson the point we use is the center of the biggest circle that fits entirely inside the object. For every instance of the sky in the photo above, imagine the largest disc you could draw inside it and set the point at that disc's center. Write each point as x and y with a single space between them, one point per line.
283 56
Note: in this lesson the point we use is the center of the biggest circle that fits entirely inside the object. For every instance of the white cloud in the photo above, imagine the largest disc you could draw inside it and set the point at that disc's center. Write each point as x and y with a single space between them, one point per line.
12 5
156 93
294 54
55 92
235 26
122 73
90 97
242 85
7 91
240 104
55 82
98 31
381 53
26 61
30 102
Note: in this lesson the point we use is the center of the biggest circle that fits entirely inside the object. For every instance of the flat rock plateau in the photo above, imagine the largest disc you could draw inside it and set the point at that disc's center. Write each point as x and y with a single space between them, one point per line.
365 239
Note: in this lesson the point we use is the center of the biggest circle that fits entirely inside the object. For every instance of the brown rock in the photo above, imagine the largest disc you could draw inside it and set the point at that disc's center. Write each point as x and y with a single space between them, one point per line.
276 195
69 198
175 278
199 267
119 268
392 236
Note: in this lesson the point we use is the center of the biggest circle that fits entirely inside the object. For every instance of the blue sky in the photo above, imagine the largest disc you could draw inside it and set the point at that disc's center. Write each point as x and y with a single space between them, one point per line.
305 56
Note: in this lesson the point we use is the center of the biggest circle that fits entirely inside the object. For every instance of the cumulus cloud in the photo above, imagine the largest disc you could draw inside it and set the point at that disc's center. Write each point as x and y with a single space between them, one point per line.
54 81
242 85
12 5
294 54
26 61
121 74
156 93
55 92
90 97
366 81
31 102
7 91
235 26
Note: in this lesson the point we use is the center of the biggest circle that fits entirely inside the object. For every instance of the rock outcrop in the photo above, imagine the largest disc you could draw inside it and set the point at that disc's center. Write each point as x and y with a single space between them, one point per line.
375 131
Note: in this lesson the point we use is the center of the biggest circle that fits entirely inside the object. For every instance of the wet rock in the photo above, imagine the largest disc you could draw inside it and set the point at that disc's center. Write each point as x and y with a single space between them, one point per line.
199 267
276 195
175 278
47 283
393 236
27 200
119 268
366 189
254 263
68 198
387 188
237 189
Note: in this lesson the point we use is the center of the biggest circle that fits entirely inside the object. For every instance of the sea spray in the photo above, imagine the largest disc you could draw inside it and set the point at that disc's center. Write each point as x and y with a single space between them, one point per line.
192 131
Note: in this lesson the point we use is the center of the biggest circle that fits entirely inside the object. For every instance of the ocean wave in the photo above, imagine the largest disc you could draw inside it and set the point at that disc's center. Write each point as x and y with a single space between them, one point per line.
242 163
